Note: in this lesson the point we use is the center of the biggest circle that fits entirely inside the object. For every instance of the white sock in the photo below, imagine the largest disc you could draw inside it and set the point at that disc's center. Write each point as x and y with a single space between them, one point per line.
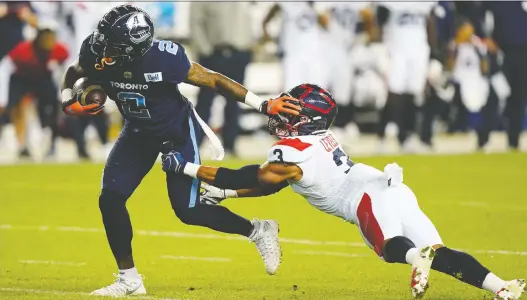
493 283
129 273
412 256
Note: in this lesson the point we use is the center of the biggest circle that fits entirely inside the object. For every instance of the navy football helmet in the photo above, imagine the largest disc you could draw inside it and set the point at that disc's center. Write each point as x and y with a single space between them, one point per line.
319 110
124 34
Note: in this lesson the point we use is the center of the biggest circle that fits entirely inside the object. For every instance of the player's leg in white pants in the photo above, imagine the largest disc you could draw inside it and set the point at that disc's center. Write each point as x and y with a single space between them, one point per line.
390 215
393 211
383 214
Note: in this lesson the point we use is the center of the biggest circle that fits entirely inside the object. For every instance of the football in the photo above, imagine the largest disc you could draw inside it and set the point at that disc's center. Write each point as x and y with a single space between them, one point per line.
88 92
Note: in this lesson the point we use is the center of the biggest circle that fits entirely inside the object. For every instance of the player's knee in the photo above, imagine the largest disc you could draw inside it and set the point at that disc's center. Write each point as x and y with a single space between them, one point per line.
394 250
110 200
188 215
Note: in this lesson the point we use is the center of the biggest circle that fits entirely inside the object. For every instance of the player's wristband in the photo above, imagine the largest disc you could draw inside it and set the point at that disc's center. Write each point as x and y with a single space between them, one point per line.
231 194
253 101
191 170
66 95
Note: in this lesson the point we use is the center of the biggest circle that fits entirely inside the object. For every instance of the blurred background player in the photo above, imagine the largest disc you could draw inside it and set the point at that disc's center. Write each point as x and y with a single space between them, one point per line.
14 15
341 21
407 33
300 44
223 41
30 69
509 21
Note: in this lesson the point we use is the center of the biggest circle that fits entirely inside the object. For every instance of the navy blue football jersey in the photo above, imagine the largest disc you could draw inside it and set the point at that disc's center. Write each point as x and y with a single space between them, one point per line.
146 91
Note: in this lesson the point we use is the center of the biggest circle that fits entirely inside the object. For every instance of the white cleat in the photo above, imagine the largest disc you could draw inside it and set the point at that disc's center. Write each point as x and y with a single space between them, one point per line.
265 236
122 287
512 291
420 271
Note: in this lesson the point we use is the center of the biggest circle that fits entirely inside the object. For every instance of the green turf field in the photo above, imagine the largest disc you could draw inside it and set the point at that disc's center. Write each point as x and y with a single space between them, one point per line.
52 245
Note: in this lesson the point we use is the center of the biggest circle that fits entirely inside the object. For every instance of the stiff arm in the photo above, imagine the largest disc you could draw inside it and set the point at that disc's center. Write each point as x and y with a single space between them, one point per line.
248 181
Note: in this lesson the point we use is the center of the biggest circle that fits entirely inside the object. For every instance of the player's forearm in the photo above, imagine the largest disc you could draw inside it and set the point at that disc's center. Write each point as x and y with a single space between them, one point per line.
207 174
203 77
248 193
261 190
227 86
224 178
72 74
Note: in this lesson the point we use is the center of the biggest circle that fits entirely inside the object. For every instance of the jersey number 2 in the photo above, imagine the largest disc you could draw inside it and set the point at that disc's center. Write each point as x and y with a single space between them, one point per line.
133 105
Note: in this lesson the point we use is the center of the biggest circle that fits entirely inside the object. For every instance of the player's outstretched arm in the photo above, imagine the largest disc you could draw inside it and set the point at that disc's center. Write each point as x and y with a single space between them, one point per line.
214 195
205 78
248 177
70 105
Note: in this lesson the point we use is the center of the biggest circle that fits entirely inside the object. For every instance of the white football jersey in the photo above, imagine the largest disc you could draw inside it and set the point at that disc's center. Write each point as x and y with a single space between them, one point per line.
330 181
343 21
300 29
407 23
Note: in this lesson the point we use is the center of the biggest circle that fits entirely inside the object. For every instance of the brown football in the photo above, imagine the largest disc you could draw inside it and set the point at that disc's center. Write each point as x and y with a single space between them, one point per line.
88 92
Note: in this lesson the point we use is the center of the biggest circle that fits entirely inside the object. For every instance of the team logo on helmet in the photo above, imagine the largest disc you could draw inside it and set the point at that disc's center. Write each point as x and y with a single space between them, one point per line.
138 28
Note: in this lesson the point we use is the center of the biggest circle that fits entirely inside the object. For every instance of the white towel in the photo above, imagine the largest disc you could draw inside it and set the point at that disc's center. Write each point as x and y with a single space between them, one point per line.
394 173
215 144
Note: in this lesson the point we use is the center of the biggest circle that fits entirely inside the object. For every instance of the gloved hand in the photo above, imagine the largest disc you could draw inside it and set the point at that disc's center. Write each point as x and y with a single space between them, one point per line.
173 161
73 107
211 195
283 104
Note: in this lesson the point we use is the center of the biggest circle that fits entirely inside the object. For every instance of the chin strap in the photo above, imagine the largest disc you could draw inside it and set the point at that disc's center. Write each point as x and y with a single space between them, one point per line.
104 61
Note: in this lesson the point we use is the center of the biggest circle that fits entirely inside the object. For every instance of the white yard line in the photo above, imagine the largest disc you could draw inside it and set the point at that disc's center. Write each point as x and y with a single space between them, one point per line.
55 292
328 253
213 259
52 262
228 237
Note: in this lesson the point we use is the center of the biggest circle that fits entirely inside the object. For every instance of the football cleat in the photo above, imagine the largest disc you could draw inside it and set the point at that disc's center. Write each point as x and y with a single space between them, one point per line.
122 287
420 271
265 236
512 291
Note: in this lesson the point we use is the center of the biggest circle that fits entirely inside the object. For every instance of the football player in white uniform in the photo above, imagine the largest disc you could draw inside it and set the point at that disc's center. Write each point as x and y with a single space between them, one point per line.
310 159
299 42
407 30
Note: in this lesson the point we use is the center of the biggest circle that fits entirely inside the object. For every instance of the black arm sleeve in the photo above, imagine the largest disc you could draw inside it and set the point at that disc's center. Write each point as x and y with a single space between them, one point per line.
244 178
383 14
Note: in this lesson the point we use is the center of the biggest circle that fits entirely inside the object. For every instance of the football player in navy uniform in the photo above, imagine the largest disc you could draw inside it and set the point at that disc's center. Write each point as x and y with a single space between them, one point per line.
142 75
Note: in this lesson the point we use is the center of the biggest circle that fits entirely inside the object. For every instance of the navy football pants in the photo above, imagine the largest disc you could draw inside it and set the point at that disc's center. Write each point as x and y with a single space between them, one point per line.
133 155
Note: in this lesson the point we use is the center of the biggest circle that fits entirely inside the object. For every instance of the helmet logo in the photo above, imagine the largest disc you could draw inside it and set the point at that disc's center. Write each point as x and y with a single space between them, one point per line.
139 29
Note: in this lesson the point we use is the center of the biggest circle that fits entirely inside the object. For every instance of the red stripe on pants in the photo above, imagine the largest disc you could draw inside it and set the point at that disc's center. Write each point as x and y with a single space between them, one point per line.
368 224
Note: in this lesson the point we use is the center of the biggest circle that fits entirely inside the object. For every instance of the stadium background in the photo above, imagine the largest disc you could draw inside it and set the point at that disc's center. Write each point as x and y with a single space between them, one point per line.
264 76
52 244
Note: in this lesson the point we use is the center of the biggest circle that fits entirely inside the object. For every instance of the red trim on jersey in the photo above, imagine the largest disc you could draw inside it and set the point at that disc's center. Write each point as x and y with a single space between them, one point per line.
368 224
294 143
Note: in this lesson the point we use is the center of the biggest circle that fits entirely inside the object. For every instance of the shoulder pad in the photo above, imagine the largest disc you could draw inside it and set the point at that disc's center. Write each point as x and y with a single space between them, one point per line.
290 150
171 59
87 59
